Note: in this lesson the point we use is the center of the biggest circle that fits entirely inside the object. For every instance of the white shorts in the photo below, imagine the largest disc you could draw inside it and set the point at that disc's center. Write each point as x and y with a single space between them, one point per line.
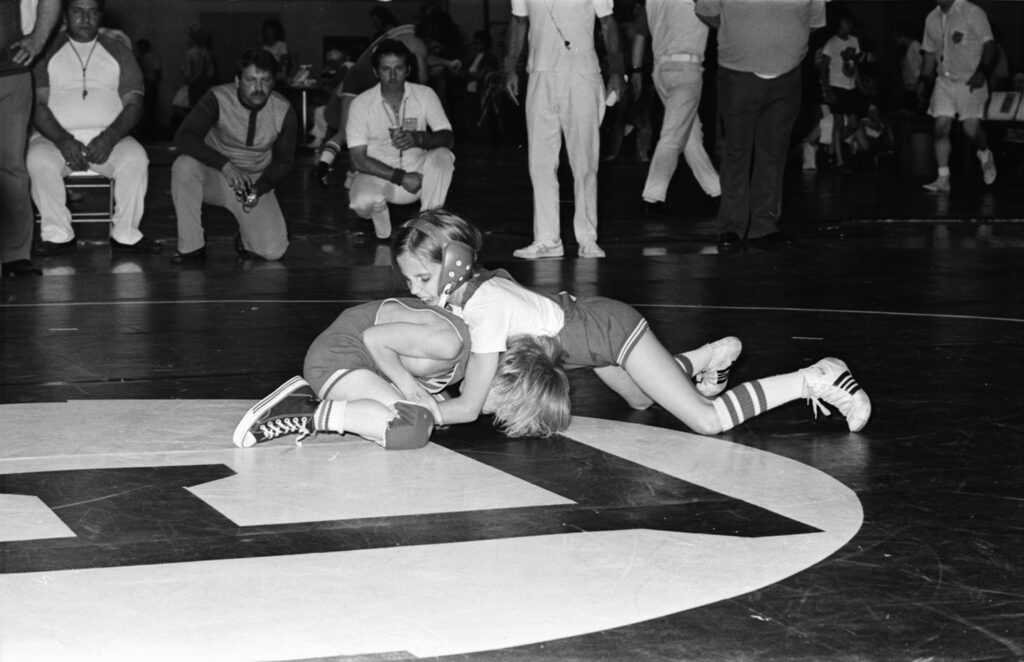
952 98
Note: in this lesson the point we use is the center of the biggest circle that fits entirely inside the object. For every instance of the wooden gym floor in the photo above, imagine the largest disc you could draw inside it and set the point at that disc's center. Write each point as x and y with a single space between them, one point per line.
132 529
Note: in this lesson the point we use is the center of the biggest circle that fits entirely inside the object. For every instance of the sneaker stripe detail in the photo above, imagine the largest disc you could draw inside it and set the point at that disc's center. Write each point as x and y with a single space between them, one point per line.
846 382
627 348
685 364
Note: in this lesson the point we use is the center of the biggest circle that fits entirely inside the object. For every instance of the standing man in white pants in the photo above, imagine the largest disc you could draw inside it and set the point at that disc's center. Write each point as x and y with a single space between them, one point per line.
399 142
678 40
565 95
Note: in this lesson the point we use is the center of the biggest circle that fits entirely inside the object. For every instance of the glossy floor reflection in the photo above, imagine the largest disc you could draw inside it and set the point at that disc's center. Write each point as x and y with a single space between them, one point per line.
131 528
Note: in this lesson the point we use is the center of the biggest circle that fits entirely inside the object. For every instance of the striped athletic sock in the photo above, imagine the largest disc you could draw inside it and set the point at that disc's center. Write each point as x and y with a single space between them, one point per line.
330 416
750 399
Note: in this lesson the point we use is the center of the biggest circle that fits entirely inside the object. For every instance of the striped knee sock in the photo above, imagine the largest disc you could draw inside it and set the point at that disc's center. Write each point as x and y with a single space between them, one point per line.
750 399
330 416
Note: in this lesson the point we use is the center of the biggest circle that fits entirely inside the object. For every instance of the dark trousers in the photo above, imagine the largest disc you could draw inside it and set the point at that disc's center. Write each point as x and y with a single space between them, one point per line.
757 120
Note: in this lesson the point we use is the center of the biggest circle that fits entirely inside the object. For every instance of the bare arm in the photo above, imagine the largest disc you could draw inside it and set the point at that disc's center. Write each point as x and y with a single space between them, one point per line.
988 56
28 48
361 161
480 372
517 30
99 148
616 69
72 150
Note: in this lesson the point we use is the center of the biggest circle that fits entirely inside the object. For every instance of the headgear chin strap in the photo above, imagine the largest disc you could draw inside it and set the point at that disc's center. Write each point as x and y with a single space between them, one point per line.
456 260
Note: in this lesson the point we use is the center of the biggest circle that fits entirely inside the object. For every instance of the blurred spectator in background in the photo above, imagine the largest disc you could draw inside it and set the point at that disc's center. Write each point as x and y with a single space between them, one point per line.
198 70
273 42
840 57
911 59
152 74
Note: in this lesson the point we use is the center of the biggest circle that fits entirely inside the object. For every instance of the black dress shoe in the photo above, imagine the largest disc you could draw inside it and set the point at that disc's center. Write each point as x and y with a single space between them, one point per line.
729 241
51 248
195 257
21 268
141 246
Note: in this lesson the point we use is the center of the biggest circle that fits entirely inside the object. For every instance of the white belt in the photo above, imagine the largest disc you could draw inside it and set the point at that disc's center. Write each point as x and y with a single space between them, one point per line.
680 57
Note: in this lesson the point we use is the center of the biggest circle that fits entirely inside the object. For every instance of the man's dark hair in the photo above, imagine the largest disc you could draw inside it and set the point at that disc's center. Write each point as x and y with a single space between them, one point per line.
276 28
100 4
391 47
259 58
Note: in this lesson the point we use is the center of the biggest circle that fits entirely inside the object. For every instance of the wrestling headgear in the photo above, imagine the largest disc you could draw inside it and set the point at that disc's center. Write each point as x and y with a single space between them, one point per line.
456 259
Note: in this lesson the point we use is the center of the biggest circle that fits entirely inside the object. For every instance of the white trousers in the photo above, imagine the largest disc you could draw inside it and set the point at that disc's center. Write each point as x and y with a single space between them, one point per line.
569 105
368 196
127 165
263 228
679 86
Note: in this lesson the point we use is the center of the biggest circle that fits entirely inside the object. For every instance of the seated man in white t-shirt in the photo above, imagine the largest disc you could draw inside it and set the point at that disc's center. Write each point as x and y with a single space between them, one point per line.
89 94
399 142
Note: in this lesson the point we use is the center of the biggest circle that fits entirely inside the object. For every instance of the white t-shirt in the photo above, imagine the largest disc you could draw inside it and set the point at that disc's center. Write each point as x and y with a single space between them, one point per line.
370 121
501 309
555 23
835 48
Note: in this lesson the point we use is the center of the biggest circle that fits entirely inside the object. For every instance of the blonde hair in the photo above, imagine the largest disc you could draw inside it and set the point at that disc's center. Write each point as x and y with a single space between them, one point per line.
533 388
409 239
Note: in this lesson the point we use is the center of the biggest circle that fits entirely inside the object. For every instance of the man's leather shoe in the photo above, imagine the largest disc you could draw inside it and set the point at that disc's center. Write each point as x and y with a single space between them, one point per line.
21 268
195 257
51 248
729 241
141 246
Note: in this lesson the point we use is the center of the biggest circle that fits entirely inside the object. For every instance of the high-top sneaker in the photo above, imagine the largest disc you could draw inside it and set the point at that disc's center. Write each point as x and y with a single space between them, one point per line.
830 380
288 410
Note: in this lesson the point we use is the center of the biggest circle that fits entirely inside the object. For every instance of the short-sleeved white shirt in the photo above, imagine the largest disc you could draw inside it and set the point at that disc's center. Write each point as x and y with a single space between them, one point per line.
555 22
834 49
501 308
957 38
370 121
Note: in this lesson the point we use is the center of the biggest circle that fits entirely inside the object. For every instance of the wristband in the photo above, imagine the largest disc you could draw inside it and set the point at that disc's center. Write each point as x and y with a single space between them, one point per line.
397 176
330 152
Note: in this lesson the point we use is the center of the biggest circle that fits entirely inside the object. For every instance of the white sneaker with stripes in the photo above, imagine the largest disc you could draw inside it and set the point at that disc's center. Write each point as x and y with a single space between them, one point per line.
830 380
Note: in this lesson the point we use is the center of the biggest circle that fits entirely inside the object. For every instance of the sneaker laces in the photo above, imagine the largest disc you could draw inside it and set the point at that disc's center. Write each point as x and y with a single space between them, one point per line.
839 394
279 427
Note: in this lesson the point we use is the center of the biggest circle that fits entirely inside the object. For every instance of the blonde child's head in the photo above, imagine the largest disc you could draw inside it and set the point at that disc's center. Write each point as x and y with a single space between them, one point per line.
430 245
530 393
